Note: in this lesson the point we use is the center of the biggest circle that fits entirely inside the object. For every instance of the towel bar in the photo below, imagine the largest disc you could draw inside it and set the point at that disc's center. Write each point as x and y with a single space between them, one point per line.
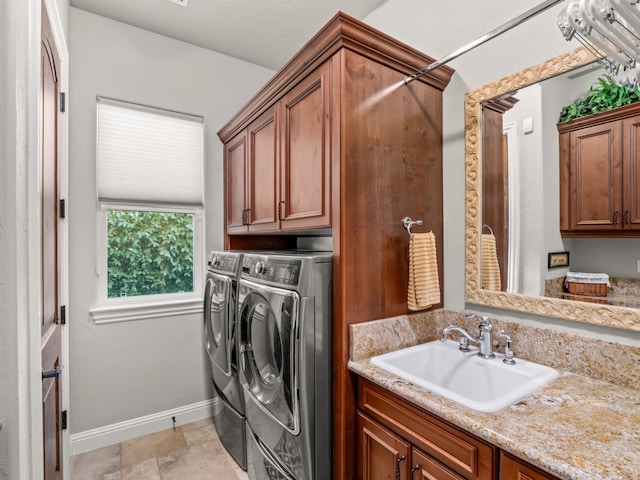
408 223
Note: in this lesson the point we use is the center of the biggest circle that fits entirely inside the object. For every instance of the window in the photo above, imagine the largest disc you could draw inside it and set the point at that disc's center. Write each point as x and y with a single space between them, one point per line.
150 212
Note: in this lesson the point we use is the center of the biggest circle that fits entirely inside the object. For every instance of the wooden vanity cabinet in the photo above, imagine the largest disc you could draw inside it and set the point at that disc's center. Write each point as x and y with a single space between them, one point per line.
512 468
395 436
599 174
384 455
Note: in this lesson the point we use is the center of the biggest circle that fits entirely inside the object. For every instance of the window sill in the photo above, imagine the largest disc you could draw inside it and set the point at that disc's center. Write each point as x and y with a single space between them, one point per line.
146 311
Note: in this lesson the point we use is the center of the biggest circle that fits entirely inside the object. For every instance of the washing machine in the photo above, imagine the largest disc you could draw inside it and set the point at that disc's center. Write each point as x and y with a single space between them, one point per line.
284 339
220 331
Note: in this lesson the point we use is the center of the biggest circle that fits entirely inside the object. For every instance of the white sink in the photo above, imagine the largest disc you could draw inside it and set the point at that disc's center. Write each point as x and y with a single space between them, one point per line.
484 385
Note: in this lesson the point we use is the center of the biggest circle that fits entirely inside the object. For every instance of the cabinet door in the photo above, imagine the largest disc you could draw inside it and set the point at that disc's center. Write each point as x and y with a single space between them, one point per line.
631 169
235 157
595 172
424 467
381 453
262 213
305 165
513 469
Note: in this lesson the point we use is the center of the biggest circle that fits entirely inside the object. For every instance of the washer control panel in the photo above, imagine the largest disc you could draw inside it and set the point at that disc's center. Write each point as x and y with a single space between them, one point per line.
272 269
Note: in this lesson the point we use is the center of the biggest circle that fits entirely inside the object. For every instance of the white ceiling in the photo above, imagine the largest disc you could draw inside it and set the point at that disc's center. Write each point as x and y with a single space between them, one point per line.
264 32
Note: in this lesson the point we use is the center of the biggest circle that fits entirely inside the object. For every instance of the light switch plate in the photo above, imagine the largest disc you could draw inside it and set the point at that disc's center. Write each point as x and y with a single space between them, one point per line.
527 125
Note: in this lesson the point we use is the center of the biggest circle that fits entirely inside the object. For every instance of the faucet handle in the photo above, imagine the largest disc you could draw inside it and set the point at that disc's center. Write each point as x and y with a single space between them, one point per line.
508 353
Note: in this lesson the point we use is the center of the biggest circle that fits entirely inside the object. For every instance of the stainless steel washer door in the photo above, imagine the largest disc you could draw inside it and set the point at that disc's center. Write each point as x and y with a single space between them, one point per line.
268 331
217 313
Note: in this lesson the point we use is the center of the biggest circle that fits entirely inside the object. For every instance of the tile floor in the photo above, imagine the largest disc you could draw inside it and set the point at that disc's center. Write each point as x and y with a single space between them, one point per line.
190 452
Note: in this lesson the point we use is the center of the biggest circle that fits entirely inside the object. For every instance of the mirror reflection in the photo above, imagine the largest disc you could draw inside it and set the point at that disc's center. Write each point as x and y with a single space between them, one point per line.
513 198
524 249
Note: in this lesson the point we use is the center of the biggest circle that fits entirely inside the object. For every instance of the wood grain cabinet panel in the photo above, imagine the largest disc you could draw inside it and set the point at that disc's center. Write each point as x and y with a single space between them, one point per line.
512 468
305 169
599 179
262 187
235 153
381 453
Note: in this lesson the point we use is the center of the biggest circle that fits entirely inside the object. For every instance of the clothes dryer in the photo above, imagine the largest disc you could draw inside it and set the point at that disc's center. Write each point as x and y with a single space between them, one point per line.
284 338
221 346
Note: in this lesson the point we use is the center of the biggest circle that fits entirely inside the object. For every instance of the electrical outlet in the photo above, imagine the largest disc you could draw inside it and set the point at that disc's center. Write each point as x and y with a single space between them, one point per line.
638 265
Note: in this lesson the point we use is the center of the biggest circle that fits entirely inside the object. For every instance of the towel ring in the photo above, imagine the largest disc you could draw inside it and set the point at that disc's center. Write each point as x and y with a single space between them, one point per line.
484 225
408 223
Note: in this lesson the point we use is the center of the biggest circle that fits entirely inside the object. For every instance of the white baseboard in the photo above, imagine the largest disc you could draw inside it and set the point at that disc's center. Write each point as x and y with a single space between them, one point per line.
137 427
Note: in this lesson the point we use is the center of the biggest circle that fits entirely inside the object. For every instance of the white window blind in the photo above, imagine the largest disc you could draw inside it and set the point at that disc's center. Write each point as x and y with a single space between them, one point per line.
148 155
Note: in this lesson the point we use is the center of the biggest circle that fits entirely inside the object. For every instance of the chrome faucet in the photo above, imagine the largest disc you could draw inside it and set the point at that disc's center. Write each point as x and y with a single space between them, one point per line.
484 340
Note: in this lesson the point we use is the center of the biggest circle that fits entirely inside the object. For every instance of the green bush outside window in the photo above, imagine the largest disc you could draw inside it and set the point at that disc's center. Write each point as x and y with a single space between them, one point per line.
149 253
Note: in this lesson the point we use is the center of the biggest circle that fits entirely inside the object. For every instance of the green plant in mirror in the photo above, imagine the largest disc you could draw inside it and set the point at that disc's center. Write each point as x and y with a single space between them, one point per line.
605 95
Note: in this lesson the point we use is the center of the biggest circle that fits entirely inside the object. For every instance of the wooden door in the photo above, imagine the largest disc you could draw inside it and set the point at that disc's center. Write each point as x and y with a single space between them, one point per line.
305 153
50 323
595 178
631 174
425 467
381 453
235 161
263 173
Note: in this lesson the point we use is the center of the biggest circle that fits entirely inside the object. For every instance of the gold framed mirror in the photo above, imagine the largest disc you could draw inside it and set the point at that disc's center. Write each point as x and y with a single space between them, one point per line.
593 313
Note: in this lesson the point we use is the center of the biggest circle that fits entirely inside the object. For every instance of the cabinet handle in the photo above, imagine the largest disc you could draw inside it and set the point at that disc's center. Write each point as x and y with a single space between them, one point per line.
414 469
616 214
246 216
280 204
398 462
626 217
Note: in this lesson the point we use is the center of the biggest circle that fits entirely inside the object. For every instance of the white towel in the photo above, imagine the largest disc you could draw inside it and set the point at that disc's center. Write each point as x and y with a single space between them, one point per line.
424 283
491 279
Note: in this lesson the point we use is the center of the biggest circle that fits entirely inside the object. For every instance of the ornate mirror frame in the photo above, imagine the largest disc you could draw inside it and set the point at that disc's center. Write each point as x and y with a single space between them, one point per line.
611 316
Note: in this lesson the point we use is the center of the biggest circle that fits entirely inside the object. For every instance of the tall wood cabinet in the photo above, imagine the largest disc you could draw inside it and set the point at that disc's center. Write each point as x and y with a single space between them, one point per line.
600 174
336 144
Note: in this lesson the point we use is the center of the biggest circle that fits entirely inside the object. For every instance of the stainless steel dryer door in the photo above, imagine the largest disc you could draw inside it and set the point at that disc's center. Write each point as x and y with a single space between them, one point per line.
268 334
218 312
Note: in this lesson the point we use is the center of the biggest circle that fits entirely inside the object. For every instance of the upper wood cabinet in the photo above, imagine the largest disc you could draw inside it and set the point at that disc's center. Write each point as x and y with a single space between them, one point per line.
599 180
304 200
251 172
277 169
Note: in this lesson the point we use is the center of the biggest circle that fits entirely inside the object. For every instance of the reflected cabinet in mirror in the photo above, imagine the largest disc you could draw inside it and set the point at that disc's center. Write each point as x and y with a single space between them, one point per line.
517 255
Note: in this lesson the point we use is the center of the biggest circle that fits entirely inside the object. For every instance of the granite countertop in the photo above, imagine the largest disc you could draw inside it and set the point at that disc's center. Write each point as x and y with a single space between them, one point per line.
576 427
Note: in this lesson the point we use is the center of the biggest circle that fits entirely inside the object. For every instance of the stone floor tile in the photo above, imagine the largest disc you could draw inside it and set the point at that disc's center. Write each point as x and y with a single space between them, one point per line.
199 435
100 464
202 461
147 470
149 446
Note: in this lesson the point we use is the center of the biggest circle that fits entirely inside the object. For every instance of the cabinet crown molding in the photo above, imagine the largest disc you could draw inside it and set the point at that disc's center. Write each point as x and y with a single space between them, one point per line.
341 32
